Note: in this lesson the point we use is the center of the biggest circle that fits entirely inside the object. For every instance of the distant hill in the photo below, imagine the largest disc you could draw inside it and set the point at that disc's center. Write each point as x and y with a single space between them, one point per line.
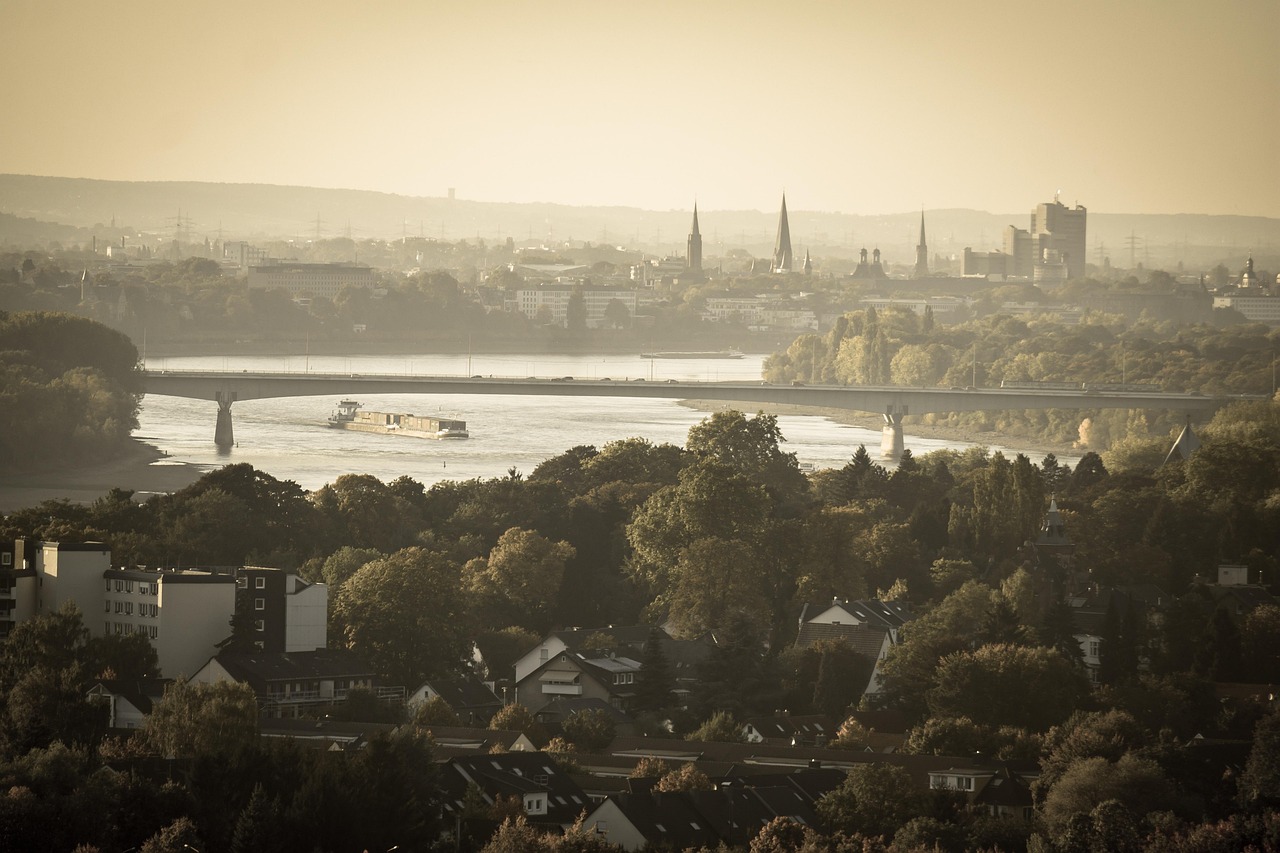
261 211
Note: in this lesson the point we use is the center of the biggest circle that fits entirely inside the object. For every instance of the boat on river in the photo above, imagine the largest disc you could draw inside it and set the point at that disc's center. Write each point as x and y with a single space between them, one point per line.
727 353
350 416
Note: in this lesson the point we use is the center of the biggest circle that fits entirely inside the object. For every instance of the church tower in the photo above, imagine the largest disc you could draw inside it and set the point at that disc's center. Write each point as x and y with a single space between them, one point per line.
922 253
782 246
693 255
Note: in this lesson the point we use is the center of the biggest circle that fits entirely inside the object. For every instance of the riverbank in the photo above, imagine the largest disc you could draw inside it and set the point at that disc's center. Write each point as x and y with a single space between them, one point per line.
1034 449
141 468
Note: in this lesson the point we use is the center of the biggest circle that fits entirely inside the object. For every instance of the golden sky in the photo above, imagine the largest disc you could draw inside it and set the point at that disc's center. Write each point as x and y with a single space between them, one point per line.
1135 106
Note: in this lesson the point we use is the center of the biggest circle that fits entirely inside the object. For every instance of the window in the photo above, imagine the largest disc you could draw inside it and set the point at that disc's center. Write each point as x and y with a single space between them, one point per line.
242 583
543 654
119 606
259 625
142 589
128 608
128 629
153 631
259 583
108 584
119 586
1095 648
6 559
259 604
128 586
118 627
107 605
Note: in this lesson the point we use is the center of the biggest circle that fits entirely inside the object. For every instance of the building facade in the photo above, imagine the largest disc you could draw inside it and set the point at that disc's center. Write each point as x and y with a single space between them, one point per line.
310 280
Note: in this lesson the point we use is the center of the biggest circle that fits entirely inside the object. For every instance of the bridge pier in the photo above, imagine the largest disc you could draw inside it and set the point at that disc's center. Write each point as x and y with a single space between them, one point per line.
223 434
891 443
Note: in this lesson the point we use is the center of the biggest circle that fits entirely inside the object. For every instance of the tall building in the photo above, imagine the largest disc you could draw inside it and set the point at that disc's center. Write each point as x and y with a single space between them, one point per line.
1058 228
782 246
693 257
922 253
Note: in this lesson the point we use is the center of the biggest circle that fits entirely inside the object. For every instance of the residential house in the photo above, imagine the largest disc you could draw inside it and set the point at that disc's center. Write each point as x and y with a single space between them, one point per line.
471 699
546 793
288 682
790 729
128 702
870 628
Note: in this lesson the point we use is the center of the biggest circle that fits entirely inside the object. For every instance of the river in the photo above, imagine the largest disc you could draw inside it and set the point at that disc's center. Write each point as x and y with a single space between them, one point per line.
288 438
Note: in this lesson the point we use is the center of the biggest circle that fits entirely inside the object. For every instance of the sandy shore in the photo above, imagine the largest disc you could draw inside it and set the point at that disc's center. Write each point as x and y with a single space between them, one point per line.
1035 450
141 468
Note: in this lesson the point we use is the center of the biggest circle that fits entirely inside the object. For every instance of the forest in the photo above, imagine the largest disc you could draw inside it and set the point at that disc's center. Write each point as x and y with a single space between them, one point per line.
898 347
69 390
726 537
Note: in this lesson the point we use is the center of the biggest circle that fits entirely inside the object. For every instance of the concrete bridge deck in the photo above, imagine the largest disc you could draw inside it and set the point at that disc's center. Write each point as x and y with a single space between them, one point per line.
893 403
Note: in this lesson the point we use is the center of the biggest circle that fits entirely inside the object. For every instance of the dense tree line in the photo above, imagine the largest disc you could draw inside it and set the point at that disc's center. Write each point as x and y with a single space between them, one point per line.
898 347
68 390
727 536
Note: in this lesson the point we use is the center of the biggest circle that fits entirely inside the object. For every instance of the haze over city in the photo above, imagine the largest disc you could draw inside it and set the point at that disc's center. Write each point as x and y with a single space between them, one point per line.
862 108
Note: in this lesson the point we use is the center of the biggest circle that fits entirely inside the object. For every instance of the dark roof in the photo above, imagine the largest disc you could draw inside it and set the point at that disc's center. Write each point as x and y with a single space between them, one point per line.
1006 788
666 820
864 640
560 709
141 693
787 726
465 694
516 774
259 669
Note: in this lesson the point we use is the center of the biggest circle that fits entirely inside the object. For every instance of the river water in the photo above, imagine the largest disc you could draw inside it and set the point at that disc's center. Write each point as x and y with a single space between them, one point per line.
288 437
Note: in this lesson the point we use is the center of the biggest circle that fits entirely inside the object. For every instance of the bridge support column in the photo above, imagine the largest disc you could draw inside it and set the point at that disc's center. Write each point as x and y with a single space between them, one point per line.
891 443
223 434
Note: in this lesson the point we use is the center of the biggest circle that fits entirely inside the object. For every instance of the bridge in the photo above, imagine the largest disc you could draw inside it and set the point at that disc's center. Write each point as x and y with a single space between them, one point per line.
893 403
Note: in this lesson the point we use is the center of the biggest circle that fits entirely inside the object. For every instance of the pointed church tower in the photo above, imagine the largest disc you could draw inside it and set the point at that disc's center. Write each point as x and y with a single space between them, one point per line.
1186 444
693 256
782 246
922 253
807 269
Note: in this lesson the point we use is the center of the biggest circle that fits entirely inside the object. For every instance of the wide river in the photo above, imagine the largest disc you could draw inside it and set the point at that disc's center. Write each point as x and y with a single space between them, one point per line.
289 439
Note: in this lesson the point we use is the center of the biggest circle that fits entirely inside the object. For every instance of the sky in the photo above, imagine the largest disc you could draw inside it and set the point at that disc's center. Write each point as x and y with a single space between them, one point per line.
1124 106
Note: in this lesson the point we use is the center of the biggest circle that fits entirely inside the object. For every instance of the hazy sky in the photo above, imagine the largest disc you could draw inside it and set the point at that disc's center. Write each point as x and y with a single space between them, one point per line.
1141 106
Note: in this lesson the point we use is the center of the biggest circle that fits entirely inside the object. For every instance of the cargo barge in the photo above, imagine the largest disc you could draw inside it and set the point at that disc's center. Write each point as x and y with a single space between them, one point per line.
350 416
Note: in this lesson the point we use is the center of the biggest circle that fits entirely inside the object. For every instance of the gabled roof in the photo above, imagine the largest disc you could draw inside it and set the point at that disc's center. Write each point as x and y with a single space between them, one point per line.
786 726
666 820
141 693
870 612
561 708
260 669
516 774
864 640
464 694
1005 788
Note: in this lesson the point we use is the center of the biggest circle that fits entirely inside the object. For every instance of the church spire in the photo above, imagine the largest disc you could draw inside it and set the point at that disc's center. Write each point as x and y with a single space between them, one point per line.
693 256
922 252
782 246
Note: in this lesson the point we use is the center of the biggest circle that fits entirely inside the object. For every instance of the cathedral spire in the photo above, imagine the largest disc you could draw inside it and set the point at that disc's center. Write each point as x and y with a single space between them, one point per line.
693 256
922 252
782 246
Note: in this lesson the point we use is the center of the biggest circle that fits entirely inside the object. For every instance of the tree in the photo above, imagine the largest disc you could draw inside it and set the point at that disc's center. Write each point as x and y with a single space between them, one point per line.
178 837
750 447
842 677
616 314
874 799
1032 688
655 681
1260 783
720 727
591 729
203 719
1136 783
520 581
518 718
575 319
405 613
686 777
258 828
433 712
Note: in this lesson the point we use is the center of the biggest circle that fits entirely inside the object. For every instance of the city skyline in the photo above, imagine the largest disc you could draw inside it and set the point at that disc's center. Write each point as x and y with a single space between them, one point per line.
866 109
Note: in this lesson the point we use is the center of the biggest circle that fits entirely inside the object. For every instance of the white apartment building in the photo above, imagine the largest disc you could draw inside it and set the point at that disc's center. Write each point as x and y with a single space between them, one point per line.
529 301
310 280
